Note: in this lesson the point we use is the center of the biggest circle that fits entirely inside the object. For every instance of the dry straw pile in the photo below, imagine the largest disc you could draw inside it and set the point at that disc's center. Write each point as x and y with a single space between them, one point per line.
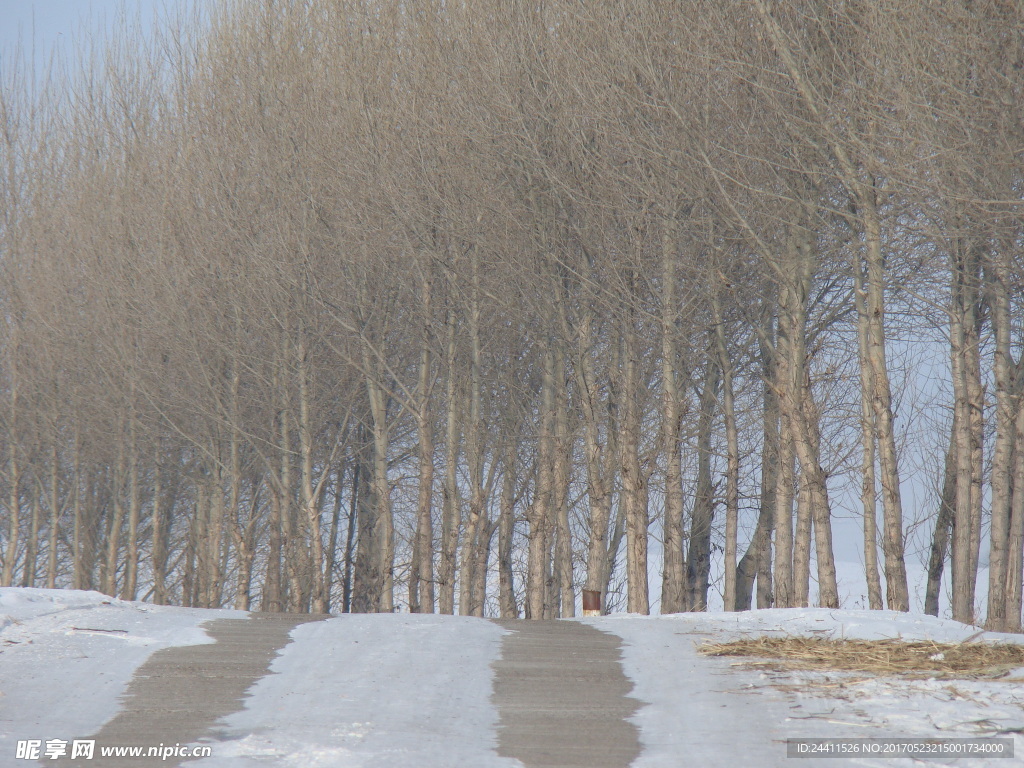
878 657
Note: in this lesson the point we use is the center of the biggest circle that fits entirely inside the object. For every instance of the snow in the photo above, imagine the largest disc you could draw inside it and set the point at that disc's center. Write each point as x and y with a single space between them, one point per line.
720 711
392 690
67 656
400 690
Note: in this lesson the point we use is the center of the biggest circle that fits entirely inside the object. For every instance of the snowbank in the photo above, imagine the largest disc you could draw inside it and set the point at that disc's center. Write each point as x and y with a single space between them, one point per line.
717 712
66 657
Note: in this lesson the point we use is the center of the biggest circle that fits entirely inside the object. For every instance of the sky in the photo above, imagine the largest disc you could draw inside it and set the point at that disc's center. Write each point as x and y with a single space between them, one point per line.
43 27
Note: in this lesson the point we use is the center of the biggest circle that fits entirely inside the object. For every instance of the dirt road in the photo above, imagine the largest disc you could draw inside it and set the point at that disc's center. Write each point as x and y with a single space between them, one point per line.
178 695
563 698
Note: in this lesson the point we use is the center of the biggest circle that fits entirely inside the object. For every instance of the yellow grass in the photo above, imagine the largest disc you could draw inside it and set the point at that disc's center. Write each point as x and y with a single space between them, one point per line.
878 657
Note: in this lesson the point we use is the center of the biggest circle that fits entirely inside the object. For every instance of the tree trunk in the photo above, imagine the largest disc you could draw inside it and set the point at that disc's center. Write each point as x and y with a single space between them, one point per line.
367 576
384 524
599 458
867 436
114 529
350 537
561 478
943 527
331 555
78 578
273 601
13 479
468 600
28 573
55 510
673 595
506 528
802 413
483 556
290 591
732 447
539 515
634 481
757 560
158 549
131 575
421 580
897 592
1015 561
450 513
817 497
964 347
783 576
1002 457
802 545
310 496
698 561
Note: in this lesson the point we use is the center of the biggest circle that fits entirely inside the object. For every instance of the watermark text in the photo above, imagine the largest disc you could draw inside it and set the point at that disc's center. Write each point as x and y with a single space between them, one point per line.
86 749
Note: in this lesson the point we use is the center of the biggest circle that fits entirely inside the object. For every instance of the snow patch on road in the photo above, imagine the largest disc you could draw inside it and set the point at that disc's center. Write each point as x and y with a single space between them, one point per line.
376 691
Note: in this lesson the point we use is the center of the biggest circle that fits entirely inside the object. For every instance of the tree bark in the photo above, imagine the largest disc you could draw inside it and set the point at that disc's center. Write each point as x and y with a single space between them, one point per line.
468 599
867 422
897 592
367 581
802 545
13 476
599 458
963 348
998 300
30 567
506 529
158 550
131 575
732 448
539 514
561 478
634 481
55 511
673 594
698 561
450 513
756 562
943 527
421 581
109 576
310 496
1015 547
783 576
383 601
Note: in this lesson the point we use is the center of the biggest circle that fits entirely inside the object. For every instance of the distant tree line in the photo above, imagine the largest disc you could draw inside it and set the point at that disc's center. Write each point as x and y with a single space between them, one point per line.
345 305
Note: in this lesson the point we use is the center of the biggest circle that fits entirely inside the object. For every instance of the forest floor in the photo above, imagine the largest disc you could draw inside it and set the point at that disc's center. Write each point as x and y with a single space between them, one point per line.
425 690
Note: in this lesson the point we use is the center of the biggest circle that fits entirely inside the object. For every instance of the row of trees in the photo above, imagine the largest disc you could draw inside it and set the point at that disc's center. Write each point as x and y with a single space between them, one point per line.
353 305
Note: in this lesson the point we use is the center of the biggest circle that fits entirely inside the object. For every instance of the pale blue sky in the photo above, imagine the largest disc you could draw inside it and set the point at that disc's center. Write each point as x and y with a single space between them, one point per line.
43 26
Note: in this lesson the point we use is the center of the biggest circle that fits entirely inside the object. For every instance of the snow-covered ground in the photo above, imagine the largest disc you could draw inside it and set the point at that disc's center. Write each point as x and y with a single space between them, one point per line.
416 690
721 712
66 656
